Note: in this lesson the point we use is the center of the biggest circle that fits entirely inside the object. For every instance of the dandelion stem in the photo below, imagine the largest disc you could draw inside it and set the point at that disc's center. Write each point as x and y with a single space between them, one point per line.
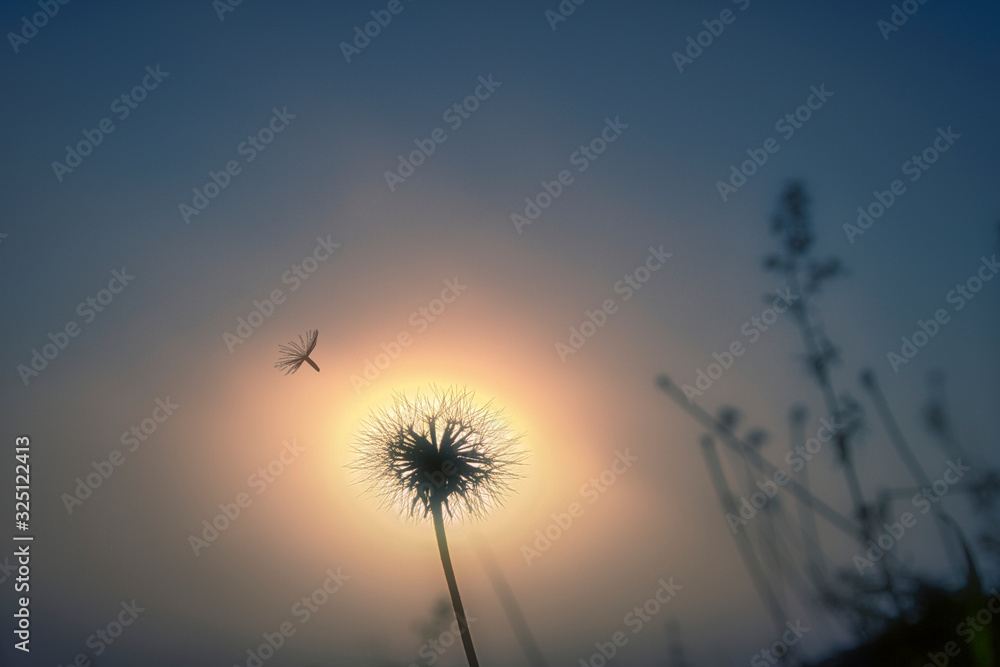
312 363
449 575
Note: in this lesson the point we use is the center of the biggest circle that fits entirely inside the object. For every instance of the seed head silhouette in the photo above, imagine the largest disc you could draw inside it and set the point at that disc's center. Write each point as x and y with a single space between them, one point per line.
436 454
441 449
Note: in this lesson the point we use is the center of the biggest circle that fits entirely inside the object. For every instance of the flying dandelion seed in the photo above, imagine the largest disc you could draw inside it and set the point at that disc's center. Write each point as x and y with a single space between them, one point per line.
436 454
294 353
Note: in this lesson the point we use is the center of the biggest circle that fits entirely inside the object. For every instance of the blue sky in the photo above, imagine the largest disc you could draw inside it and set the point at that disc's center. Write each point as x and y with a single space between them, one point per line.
323 177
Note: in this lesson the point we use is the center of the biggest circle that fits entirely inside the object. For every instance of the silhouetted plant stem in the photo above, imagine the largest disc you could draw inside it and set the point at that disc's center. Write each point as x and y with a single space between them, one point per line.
807 516
945 526
766 540
449 575
902 447
938 418
835 518
511 607
753 566
805 274
973 580
820 369
820 356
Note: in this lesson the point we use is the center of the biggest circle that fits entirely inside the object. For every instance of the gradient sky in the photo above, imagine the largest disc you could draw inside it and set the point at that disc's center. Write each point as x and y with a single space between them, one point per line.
323 177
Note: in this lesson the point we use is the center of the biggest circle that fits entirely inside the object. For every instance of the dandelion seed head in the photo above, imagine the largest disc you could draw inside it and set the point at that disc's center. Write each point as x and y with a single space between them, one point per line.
438 448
